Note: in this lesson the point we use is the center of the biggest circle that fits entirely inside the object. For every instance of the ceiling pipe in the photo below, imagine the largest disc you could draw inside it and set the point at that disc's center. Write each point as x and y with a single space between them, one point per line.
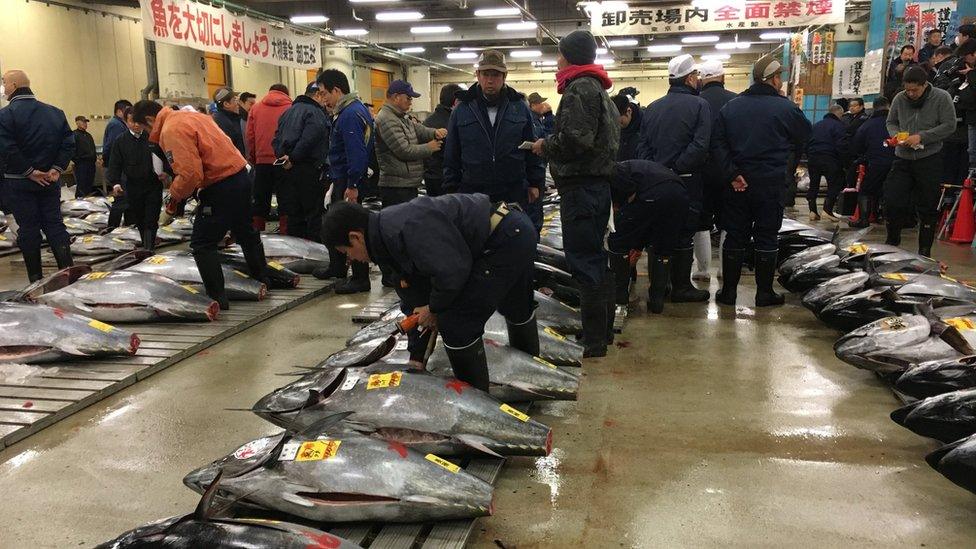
528 16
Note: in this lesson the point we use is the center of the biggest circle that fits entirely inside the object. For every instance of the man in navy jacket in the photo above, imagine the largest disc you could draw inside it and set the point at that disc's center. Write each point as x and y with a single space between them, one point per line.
350 147
870 149
828 143
115 128
675 132
36 146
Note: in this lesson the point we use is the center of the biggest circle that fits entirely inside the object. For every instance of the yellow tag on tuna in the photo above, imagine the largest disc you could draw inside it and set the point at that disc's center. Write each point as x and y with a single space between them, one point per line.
442 462
3 238
895 276
858 249
379 381
119 240
88 239
949 278
189 288
544 362
962 324
317 450
554 333
167 229
514 413
240 274
157 260
100 326
95 275
276 266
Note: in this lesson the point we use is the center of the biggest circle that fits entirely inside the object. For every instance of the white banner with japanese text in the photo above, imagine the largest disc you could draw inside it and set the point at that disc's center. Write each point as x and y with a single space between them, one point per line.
614 19
873 69
208 28
848 77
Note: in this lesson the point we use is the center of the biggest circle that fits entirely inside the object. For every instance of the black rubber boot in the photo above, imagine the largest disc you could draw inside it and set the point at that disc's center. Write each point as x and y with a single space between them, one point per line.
593 310
525 336
765 270
32 262
257 264
660 273
337 266
864 212
894 235
620 264
62 255
926 235
732 261
212 274
148 239
359 282
470 364
682 290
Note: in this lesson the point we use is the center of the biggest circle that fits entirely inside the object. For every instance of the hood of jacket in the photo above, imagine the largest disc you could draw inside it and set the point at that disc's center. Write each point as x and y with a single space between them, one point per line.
275 98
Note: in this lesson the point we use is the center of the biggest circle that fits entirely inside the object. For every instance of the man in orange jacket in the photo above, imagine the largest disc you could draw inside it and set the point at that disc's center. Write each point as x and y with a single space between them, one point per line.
205 161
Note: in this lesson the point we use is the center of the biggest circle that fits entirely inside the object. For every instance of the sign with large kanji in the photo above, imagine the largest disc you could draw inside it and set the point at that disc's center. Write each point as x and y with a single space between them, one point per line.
614 19
848 77
213 29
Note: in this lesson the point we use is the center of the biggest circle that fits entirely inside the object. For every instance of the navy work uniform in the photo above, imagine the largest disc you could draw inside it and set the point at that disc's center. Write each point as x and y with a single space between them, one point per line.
35 136
754 136
465 258
131 157
652 207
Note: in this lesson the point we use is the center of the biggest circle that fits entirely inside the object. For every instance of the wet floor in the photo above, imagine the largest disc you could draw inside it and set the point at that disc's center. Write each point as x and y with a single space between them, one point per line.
705 427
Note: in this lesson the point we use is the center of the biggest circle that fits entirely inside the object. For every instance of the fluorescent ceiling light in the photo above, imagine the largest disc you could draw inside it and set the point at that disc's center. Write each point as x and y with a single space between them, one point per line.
664 48
435 29
700 39
517 26
496 12
622 42
775 36
544 63
732 45
399 16
350 32
412 49
462 55
716 57
526 53
603 61
372 1
601 51
471 48
308 19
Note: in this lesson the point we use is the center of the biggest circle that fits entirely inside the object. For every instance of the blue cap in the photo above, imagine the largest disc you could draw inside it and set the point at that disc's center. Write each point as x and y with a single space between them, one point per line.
399 86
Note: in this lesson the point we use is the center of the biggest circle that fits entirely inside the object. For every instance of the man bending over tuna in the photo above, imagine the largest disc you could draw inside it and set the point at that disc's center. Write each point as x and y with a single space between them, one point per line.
458 258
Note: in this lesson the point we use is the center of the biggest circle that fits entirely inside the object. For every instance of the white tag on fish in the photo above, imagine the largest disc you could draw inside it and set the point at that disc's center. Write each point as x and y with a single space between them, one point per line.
349 383
401 345
289 450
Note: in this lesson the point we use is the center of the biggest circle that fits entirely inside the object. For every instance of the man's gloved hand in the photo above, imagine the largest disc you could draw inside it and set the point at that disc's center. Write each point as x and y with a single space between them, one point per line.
169 211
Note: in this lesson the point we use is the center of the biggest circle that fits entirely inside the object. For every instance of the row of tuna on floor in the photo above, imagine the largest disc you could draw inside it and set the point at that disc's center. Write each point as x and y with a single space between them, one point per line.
906 320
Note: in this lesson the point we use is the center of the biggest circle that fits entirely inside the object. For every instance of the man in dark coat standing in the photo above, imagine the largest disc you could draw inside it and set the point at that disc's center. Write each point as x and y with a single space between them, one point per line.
870 150
434 166
828 144
84 160
36 146
115 128
228 116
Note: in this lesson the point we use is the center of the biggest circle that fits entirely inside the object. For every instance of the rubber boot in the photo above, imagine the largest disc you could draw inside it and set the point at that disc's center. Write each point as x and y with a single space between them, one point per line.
609 294
148 239
524 336
257 264
62 255
359 282
212 274
283 225
682 290
258 222
926 235
732 261
765 270
593 311
894 235
32 262
660 272
337 266
470 364
703 256
863 211
620 265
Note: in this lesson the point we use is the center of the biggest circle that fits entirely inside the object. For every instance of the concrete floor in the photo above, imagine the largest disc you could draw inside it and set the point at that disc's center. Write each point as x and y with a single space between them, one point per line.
705 427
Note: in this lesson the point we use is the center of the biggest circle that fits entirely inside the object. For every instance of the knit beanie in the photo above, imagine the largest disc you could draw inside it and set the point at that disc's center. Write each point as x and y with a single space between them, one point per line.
578 47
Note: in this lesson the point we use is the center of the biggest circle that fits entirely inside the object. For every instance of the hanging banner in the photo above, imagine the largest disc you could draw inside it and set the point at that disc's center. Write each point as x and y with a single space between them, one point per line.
208 28
848 77
871 71
618 19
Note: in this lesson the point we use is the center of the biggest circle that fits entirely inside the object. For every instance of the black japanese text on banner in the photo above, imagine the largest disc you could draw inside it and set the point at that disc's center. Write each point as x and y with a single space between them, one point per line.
208 28
614 19
848 77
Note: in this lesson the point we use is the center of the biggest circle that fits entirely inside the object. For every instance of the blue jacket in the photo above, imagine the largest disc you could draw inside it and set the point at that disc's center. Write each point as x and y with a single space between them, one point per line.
715 94
869 141
543 124
828 138
352 142
33 136
432 243
630 136
676 131
481 158
303 132
115 128
230 124
756 132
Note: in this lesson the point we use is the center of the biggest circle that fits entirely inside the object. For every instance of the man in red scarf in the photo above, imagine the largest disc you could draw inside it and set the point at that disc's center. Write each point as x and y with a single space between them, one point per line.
581 151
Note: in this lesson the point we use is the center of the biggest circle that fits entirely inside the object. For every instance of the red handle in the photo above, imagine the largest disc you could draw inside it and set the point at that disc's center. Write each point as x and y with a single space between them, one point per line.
408 323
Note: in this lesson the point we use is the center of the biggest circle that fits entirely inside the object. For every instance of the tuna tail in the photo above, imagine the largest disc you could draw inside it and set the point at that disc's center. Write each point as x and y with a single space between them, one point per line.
473 442
528 388
203 510
949 334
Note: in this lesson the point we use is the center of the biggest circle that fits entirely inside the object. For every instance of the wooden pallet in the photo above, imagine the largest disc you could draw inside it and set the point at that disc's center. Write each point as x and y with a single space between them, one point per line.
33 403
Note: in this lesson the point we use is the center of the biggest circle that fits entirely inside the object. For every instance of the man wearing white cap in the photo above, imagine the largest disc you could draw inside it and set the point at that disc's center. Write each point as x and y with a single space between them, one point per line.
713 91
676 132
754 135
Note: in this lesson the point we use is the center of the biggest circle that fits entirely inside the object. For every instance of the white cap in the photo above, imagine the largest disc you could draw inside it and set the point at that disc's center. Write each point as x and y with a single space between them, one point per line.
711 68
681 66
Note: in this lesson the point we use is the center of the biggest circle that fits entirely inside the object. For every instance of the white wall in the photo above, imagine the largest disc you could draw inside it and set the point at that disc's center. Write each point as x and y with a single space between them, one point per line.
182 75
